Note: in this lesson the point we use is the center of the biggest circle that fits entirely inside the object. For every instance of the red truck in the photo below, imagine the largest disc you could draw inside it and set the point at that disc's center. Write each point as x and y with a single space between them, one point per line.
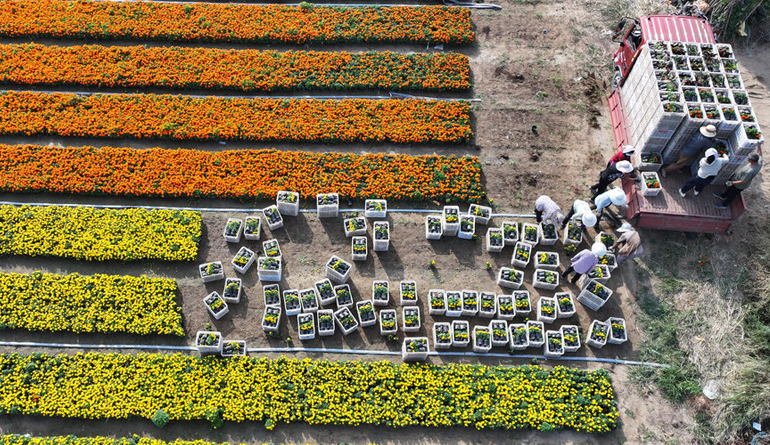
668 210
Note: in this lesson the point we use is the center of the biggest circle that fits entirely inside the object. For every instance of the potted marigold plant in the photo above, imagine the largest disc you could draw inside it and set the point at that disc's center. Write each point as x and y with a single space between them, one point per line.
291 302
617 332
530 234
388 322
272 293
546 309
273 217
433 230
354 226
233 348
287 202
325 291
215 305
272 249
345 320
328 205
343 296
522 302
510 278
495 241
252 228
454 305
499 329
545 279
359 248
506 309
437 302
450 222
366 313
536 332
571 335
337 269
470 303
414 349
233 230
325 322
232 291
547 260
519 336
376 208
381 236
243 260
565 305
308 300
411 318
306 326
460 333
548 234
467 227
510 232
269 269
482 339
211 271
208 342
381 293
408 293
487 304
481 213
594 295
554 344
597 334
442 336
271 318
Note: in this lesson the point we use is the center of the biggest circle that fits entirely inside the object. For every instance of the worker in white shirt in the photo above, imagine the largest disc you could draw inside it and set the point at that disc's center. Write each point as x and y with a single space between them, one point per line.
616 197
547 210
708 168
580 210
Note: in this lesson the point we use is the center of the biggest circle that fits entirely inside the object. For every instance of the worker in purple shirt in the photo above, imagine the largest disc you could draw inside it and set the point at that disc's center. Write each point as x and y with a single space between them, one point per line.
584 261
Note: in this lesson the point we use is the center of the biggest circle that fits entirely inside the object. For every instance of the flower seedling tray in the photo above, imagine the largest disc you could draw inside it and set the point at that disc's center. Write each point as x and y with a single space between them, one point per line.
594 295
269 269
523 302
510 232
506 309
388 322
547 260
460 333
232 290
600 273
354 226
470 303
359 248
454 303
442 335
554 344
252 228
530 233
233 230
338 270
597 334
495 241
345 320
211 271
545 279
450 220
482 339
573 234
565 304
618 333
536 332
499 329
272 293
291 302
343 296
273 217
408 293
325 291
410 317
487 304
436 302
650 185
287 202
271 318
519 336
272 249
381 236
571 335
308 300
366 313
243 260
208 342
380 293
549 234
233 348
522 253
328 205
467 227
433 227
546 309
376 208
325 322
216 305
414 349
481 213
510 278
306 326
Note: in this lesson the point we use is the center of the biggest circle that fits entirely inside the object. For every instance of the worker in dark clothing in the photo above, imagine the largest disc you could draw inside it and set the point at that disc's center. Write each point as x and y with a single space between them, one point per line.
610 174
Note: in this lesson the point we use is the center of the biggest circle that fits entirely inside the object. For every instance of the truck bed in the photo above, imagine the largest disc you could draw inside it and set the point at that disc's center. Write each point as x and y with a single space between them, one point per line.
669 211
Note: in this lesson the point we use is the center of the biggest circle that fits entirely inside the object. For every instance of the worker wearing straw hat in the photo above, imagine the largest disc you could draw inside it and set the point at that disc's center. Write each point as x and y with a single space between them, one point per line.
630 242
702 140
623 155
584 261
610 174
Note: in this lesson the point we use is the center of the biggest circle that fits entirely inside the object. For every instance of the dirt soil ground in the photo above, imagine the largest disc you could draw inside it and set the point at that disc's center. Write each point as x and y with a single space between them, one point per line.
536 64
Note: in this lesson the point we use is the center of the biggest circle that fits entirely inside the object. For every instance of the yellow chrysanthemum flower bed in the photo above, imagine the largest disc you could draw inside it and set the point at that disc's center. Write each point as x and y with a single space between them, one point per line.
117 386
99 303
87 233
18 439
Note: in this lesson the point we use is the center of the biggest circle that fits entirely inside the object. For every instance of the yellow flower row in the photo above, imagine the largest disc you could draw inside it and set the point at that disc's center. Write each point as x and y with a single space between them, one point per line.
18 439
117 386
99 303
93 234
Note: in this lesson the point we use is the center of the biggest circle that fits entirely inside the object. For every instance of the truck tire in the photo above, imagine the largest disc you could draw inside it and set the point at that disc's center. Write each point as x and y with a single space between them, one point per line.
616 78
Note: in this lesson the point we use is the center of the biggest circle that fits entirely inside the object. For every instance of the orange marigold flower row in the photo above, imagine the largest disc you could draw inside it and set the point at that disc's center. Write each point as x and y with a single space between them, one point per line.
221 118
244 70
233 23
244 174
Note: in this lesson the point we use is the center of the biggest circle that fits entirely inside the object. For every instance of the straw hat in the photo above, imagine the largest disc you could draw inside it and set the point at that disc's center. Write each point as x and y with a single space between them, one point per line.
618 197
709 131
599 249
628 149
625 167
625 227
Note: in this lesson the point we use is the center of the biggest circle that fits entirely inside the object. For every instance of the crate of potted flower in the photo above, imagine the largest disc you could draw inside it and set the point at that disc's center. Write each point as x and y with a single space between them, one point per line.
381 293
535 330
411 318
208 342
600 273
650 184
381 236
460 333
233 348
359 247
271 318
366 313
510 278
547 260
454 303
470 303
522 302
215 305
565 304
272 293
617 333
343 296
233 230
554 344
269 269
287 202
232 291
545 279
272 249
530 234
519 336
354 226
337 269
499 329
605 238
273 217
548 234
609 261
442 337
597 334
495 241
325 322
546 309
308 300
571 335
408 293
506 308
328 205
388 322
345 320
375 208
436 302
482 341
433 230
594 295
325 291
243 260
252 227
306 326
648 162
467 227
211 271
510 232
450 220
487 304
481 213
573 234
291 302
521 255
414 349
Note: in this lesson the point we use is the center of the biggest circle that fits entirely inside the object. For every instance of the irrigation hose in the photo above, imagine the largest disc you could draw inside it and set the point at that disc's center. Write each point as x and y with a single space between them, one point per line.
20 344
